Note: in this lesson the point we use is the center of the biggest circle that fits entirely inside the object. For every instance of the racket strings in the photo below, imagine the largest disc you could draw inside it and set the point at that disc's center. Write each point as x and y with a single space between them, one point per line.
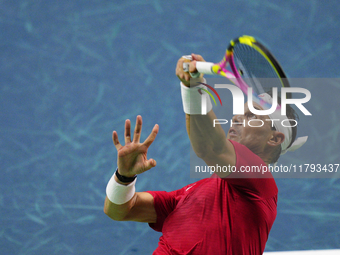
255 69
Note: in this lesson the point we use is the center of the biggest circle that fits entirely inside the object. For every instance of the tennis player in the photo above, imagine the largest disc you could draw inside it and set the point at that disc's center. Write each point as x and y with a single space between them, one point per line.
231 212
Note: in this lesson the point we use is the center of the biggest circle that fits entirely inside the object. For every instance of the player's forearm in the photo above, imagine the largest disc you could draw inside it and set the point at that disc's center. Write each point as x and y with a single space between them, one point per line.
208 141
204 137
120 198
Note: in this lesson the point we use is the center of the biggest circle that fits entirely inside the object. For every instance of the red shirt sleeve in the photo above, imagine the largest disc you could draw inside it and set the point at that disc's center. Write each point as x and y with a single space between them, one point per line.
258 185
166 202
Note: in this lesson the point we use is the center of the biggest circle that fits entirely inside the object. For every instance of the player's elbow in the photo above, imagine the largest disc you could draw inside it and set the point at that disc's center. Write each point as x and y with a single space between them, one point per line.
113 211
115 217
113 214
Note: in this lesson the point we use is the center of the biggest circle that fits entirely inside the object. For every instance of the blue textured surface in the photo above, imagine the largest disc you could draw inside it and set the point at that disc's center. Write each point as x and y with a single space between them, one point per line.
73 71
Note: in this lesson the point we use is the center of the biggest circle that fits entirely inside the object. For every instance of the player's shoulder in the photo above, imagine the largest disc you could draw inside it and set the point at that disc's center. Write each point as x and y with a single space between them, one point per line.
192 186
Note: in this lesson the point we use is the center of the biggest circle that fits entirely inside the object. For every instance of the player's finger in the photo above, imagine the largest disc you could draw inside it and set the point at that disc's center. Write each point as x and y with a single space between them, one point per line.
197 57
150 164
148 141
192 67
115 140
187 76
127 133
181 74
184 77
138 129
179 66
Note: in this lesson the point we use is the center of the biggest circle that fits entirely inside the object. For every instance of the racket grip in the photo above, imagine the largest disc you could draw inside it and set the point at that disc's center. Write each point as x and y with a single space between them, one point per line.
204 67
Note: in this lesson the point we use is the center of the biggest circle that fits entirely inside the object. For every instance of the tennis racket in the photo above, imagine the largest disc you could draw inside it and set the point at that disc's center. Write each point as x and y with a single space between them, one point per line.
249 61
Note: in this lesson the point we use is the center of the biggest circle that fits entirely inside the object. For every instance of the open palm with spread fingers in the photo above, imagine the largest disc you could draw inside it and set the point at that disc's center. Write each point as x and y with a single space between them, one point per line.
132 157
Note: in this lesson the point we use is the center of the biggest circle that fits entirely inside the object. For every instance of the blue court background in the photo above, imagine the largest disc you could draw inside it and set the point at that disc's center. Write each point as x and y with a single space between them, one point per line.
73 71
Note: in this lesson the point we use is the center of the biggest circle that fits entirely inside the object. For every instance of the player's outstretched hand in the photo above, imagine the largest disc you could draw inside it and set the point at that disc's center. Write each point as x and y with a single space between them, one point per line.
132 157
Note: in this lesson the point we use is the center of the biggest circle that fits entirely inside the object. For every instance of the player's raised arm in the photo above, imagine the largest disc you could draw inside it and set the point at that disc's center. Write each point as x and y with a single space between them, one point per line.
122 203
209 142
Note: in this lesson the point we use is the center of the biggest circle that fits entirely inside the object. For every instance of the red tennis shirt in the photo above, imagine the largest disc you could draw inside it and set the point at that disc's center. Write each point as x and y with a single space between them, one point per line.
218 216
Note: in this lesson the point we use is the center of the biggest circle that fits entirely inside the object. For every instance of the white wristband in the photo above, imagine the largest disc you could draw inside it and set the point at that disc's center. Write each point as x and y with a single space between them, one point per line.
119 194
194 102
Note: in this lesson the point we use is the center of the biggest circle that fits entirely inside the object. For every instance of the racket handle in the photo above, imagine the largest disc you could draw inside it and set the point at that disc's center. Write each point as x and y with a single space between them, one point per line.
202 67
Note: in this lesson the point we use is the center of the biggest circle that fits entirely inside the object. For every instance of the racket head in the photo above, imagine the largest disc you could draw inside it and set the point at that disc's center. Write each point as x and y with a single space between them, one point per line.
252 63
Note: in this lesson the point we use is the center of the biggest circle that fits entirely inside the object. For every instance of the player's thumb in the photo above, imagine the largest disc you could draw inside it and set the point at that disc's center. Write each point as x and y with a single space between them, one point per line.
197 57
150 164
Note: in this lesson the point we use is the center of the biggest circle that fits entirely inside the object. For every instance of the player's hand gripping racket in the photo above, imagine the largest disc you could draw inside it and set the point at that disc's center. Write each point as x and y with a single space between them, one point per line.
249 61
